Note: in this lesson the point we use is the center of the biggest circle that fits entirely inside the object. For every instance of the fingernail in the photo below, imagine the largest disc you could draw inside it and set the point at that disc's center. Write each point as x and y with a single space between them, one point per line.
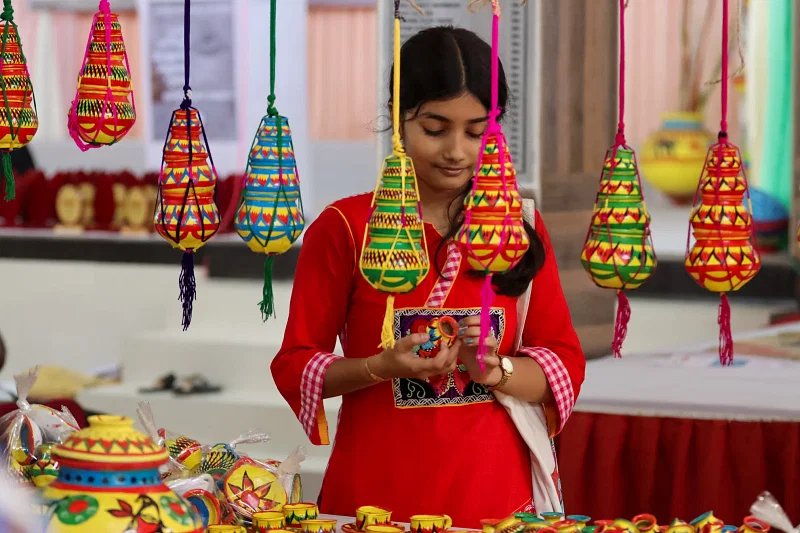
469 340
462 330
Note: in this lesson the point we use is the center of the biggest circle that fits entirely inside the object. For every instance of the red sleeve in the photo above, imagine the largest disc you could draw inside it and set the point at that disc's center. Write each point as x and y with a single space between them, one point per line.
320 296
550 339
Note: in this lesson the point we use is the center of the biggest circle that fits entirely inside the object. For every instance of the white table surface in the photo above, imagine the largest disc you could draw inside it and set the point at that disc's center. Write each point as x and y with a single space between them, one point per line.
685 383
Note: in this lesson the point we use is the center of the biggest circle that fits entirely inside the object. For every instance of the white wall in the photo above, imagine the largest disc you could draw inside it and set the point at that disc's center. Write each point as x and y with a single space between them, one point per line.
76 314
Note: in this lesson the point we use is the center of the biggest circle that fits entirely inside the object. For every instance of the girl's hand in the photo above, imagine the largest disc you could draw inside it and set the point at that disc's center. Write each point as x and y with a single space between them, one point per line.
401 362
469 331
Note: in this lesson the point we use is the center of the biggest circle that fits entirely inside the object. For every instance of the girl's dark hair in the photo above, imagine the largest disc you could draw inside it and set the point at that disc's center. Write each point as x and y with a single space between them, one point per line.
444 62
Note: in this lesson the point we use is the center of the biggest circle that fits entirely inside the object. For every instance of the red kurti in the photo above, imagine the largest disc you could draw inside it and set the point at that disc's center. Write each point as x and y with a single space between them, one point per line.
438 446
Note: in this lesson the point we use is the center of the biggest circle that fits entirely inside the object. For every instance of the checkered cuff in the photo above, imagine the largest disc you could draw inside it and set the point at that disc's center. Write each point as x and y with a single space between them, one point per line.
558 378
311 390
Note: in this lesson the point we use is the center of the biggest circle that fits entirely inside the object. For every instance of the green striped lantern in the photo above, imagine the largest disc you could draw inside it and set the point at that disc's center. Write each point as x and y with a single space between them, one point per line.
618 252
394 256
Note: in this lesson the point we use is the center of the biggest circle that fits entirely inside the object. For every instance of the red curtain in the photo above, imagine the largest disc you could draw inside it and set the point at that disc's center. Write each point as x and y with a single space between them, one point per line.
74 408
615 466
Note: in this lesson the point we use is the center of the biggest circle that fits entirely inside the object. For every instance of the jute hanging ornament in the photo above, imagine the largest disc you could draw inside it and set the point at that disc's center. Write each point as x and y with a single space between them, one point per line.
186 213
270 213
394 257
492 237
103 110
18 120
618 250
723 257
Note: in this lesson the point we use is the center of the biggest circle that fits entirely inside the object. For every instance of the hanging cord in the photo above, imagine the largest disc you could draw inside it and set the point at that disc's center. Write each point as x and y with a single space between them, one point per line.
267 303
739 49
724 315
623 305
187 89
186 281
493 130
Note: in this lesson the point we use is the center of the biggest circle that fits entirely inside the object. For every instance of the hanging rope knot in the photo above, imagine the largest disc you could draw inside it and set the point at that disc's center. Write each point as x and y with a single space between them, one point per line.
104 7
397 144
187 97
620 138
8 11
494 114
271 110
722 137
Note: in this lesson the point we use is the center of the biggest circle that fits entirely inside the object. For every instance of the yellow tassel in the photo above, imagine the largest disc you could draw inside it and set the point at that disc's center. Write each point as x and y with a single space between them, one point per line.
387 331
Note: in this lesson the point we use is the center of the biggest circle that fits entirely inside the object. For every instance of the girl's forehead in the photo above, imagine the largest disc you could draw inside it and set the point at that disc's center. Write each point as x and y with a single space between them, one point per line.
462 108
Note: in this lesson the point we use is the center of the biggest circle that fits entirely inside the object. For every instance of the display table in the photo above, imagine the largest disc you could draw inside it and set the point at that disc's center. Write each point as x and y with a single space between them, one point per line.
674 435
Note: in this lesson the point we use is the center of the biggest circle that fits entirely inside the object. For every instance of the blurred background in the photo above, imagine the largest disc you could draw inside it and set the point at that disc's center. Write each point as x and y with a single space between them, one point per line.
89 291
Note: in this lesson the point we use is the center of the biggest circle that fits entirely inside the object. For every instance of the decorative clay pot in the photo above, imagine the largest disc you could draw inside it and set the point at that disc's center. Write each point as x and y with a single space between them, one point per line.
672 157
109 481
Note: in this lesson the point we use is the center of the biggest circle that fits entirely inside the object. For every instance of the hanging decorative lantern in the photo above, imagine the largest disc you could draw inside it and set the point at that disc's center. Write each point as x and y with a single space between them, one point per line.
723 257
186 213
270 213
618 250
18 119
103 110
493 237
394 253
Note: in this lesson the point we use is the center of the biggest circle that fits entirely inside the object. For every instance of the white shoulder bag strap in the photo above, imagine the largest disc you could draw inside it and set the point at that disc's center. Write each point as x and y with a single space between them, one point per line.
530 419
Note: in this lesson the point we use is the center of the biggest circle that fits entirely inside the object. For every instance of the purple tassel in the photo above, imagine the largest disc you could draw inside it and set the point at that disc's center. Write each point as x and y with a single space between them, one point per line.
487 298
188 287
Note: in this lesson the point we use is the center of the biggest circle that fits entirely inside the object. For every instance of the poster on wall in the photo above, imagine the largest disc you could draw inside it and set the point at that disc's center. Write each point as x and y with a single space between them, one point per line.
517 53
213 79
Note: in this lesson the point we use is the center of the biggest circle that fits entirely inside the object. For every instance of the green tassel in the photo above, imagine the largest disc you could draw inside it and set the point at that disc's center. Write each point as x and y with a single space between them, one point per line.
267 304
8 171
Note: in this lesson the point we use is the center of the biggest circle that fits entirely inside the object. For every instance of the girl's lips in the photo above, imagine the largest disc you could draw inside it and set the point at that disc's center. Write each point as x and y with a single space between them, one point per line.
452 172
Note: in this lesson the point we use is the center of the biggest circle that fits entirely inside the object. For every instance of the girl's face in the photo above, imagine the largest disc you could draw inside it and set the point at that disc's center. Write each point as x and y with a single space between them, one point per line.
444 140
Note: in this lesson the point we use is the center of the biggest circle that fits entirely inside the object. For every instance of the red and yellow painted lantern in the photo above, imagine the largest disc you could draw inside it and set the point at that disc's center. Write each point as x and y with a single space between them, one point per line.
493 237
18 119
186 213
723 257
103 110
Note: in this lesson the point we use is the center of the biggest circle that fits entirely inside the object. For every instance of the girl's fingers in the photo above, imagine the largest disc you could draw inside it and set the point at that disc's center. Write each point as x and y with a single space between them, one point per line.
469 331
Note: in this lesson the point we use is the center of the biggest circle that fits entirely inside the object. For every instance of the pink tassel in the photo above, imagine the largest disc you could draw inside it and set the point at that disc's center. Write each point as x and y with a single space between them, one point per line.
725 335
487 298
621 324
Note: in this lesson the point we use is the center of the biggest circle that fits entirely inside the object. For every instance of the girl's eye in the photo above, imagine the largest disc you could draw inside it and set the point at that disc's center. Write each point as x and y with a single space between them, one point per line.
475 135
433 133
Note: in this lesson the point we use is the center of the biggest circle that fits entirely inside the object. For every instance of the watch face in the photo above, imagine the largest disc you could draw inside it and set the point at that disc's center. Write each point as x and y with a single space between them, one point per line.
507 365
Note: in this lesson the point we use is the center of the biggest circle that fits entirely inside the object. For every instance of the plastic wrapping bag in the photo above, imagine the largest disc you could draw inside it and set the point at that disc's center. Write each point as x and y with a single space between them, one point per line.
184 452
217 460
289 474
28 433
253 485
767 509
